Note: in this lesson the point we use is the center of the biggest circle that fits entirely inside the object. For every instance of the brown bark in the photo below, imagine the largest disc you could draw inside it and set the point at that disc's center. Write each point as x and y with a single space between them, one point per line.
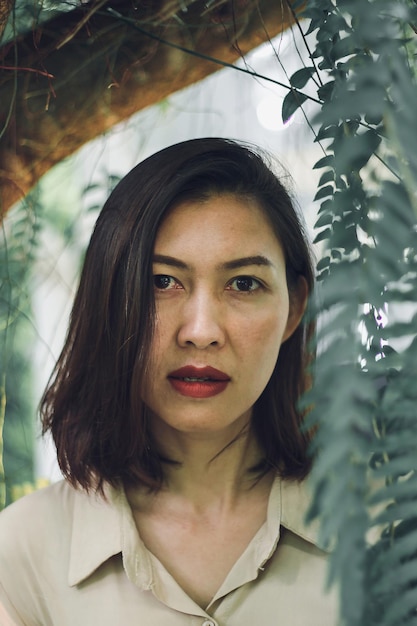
86 70
5 8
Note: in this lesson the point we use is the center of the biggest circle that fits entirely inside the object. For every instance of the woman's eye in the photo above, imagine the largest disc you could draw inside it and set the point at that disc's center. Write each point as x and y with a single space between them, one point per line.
164 282
244 283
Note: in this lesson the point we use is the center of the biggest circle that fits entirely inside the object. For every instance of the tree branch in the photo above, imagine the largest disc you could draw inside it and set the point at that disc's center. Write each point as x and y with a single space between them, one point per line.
5 10
84 71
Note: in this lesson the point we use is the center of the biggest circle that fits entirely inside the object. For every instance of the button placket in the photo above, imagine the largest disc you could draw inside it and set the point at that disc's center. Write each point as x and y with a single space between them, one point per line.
208 622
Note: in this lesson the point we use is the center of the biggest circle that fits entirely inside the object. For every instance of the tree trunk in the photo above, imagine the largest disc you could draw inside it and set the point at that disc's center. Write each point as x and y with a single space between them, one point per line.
77 75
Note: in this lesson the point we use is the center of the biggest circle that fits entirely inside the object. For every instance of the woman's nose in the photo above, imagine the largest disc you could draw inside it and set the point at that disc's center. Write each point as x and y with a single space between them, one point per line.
201 323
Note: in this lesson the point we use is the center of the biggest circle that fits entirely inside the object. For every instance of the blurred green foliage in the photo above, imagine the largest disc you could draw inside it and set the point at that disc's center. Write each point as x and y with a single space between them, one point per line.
17 250
365 396
25 14
52 208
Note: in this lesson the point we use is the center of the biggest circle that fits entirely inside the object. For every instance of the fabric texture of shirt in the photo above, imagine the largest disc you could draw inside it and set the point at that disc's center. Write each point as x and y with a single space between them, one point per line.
68 558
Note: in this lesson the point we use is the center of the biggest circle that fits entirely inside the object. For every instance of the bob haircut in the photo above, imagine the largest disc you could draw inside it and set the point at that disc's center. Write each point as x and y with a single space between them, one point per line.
92 406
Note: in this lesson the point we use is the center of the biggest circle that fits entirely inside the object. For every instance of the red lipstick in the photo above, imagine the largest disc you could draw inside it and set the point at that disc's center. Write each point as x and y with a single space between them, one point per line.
198 382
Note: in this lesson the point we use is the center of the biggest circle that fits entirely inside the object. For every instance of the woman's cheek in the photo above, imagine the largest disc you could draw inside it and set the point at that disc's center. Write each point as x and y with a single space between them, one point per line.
268 328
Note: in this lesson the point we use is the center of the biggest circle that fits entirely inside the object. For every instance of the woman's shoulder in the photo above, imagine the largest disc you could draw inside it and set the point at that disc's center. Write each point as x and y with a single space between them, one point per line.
35 533
44 513
59 493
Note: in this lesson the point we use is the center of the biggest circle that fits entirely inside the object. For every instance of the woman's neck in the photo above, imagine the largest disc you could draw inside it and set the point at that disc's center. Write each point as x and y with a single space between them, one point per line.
214 472
210 471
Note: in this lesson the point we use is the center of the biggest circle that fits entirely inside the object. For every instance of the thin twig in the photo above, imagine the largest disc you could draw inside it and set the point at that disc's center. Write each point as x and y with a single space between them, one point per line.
26 69
80 24
310 54
309 124
12 103
205 57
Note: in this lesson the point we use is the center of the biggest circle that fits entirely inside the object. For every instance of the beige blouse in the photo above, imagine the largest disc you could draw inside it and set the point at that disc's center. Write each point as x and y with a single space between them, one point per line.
72 559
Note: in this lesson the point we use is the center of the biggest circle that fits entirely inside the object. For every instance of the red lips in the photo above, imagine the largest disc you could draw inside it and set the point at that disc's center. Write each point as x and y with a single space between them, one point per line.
198 382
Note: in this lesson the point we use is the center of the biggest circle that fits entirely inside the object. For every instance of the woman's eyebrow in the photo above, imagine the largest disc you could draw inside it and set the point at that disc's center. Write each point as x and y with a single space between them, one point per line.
169 260
245 262
233 264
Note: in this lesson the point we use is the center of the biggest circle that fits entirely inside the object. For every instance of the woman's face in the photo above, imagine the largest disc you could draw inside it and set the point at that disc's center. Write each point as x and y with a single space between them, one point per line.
222 313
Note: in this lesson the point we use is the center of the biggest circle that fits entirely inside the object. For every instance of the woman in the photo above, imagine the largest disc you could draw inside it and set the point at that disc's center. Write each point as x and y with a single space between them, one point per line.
174 412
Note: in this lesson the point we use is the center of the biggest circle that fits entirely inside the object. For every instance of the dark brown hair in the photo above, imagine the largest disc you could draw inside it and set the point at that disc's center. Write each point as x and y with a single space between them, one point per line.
92 406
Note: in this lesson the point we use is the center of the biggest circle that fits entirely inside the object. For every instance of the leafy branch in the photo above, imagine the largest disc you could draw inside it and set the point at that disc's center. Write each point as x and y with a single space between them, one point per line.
364 396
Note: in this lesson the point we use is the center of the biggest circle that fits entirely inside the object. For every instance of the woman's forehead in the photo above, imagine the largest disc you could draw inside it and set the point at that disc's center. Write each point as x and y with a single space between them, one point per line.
226 226
223 208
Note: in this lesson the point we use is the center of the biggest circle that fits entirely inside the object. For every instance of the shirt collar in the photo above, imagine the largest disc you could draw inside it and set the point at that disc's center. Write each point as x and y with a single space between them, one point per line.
296 498
103 527
287 507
